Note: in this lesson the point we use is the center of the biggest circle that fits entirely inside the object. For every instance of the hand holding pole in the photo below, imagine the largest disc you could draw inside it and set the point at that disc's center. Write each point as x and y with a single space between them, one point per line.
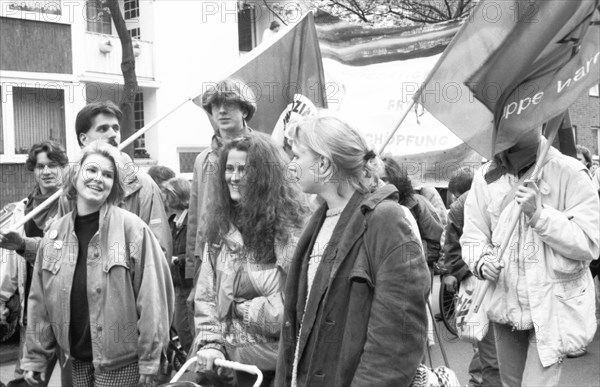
553 126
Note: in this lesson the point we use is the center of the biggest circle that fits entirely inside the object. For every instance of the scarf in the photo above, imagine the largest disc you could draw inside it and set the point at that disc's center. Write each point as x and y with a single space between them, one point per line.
35 199
513 162
217 141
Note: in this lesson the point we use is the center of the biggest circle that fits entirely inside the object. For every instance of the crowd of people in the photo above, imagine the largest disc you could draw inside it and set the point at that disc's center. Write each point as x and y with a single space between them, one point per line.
317 268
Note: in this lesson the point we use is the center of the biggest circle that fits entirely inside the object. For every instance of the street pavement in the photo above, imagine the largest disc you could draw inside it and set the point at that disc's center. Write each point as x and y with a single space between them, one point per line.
580 372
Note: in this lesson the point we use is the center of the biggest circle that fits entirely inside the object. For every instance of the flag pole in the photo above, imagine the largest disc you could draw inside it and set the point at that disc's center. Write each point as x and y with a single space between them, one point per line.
151 124
553 126
423 85
46 203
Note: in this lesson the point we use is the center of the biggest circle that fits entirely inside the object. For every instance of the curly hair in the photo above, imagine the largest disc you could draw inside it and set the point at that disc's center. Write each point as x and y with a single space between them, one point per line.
54 151
271 206
398 178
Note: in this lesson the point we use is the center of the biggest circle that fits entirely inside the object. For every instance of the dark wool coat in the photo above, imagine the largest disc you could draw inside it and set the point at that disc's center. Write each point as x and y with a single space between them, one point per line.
365 322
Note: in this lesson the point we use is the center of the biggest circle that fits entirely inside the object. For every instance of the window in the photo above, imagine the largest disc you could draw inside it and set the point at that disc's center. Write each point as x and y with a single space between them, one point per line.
132 9
135 33
1 128
139 145
187 158
246 28
39 114
98 19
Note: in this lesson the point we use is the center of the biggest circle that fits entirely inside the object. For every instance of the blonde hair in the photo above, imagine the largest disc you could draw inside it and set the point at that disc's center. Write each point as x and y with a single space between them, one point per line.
342 145
101 148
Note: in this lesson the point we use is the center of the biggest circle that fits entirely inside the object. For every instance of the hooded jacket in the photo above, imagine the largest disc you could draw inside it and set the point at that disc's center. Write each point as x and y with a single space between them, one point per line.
365 320
129 291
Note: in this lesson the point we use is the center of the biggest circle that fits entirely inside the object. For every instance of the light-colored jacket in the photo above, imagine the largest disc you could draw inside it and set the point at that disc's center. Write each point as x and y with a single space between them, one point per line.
142 198
546 281
205 171
13 267
228 276
129 290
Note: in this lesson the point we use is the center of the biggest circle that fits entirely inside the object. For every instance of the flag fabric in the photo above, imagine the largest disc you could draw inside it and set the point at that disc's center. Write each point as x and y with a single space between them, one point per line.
371 76
289 64
513 66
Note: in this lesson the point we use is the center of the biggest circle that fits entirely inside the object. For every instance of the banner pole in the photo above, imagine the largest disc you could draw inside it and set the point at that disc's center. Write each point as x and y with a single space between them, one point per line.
553 126
122 145
151 124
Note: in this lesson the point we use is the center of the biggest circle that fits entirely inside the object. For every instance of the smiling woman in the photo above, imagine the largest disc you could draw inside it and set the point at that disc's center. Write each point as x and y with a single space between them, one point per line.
252 223
120 280
95 180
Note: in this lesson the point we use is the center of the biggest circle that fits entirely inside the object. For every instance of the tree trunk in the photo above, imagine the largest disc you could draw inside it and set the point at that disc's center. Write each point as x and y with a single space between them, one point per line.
130 87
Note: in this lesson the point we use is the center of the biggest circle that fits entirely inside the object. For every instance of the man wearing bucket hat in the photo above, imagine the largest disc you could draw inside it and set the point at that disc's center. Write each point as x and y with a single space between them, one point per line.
230 104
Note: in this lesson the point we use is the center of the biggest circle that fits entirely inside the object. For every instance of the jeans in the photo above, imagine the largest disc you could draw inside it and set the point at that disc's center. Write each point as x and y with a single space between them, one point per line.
490 374
518 358
483 369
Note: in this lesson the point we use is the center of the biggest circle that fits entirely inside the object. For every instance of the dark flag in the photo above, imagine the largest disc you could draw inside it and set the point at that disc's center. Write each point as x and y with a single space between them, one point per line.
513 66
288 64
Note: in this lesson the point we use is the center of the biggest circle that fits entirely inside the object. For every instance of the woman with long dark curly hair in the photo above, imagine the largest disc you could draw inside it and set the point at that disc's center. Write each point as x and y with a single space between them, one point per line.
251 226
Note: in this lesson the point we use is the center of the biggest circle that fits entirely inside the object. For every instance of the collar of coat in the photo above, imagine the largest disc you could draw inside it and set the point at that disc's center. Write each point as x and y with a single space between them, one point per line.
366 202
349 229
217 141
135 182
104 214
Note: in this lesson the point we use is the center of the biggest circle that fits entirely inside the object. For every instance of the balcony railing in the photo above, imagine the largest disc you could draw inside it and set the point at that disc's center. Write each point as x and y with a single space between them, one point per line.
103 55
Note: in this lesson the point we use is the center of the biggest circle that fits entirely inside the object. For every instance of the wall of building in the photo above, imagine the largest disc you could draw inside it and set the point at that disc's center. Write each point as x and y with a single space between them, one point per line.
202 50
28 45
585 113
15 183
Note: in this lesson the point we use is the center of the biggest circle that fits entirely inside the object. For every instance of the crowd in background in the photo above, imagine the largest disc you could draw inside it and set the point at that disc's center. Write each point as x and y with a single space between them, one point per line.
315 265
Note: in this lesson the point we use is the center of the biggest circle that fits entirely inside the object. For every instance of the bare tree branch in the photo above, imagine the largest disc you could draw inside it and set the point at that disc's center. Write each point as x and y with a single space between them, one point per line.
417 11
274 13
349 9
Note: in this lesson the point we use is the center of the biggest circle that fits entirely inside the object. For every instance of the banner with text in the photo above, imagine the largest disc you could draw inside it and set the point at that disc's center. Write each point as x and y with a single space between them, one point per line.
371 75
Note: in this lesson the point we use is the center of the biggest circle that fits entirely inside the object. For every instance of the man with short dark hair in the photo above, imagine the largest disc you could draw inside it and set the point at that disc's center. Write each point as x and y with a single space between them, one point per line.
101 121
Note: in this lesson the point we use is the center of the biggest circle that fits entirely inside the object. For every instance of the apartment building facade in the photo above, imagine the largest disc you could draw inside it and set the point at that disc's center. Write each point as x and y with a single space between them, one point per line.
57 56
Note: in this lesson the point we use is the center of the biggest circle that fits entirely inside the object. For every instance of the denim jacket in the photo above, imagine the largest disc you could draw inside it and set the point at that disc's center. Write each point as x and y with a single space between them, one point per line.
129 290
